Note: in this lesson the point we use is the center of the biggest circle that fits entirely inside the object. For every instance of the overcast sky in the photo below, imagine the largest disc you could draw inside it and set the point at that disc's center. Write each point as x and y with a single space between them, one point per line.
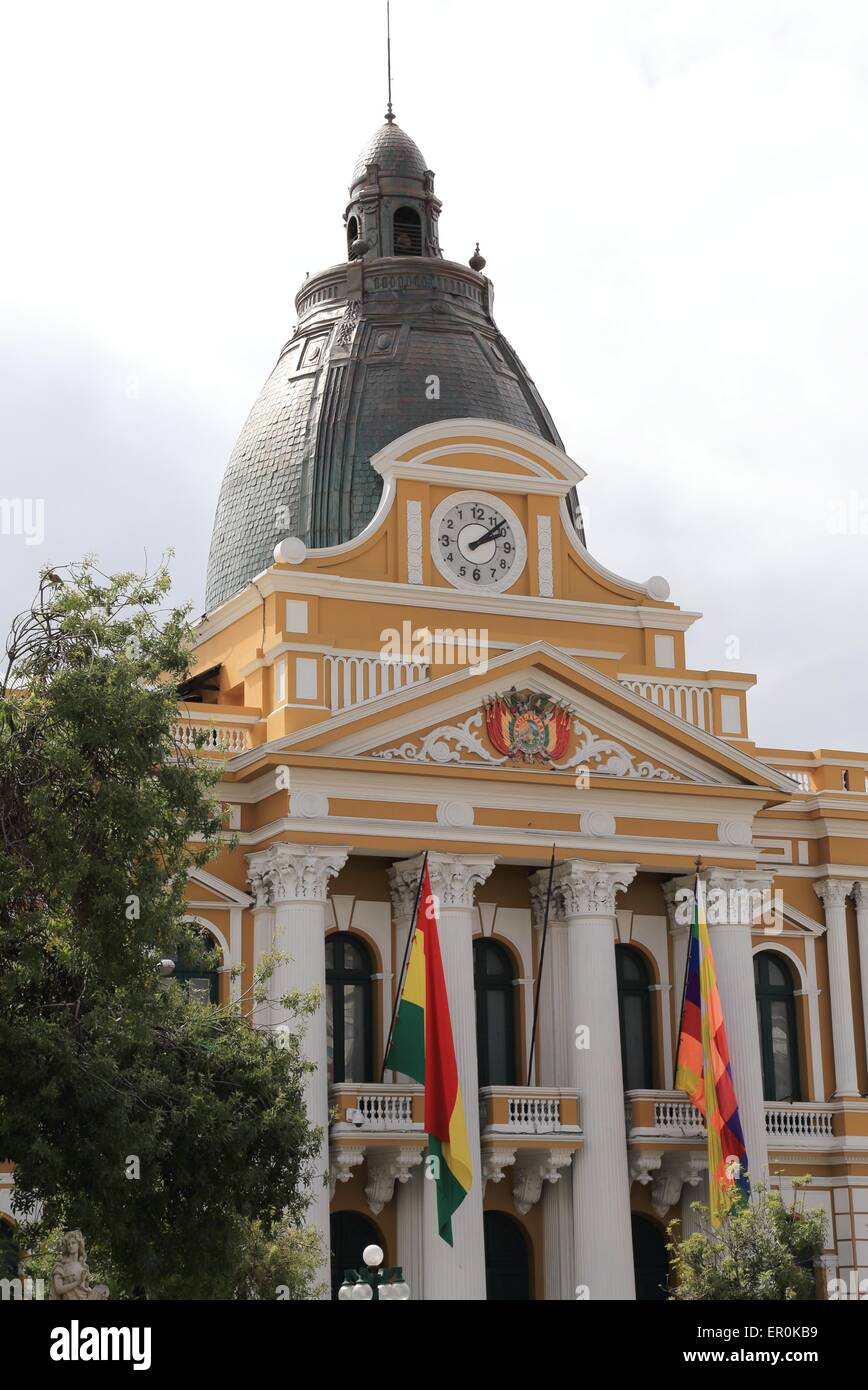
672 201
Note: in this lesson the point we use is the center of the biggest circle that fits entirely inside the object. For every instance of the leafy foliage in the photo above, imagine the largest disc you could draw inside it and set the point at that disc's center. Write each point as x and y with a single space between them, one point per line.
764 1250
100 1065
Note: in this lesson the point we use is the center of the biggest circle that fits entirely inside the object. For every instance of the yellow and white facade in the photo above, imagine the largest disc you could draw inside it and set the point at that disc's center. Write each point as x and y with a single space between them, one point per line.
346 700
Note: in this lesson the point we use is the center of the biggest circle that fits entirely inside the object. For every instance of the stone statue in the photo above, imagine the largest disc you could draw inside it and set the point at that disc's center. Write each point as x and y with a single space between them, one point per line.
70 1277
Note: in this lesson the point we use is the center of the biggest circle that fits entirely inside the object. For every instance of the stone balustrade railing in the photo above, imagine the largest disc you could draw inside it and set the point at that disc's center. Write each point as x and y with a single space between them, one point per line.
795 1122
688 700
670 1115
379 1108
212 738
351 680
528 1110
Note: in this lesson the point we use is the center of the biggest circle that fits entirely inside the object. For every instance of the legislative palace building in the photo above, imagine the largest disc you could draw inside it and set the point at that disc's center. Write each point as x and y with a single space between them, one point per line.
408 646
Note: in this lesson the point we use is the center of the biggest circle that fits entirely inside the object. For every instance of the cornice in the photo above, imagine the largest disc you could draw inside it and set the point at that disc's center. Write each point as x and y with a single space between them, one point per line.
275 580
645 714
671 854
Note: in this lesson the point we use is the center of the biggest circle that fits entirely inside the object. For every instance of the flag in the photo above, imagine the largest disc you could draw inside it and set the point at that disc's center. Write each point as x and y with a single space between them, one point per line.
422 1047
703 1070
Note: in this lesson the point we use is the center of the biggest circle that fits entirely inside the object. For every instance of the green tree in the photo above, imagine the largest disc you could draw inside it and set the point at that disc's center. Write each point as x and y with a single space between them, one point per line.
165 1128
763 1250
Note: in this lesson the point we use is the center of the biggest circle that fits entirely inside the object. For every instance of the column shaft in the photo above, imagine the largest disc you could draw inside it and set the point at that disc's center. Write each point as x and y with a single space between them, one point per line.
833 892
732 898
456 1272
291 885
860 894
411 1216
588 1043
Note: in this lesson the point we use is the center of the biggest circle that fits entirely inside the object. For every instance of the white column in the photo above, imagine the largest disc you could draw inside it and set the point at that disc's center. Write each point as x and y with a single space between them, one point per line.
691 1221
812 994
554 1048
554 1043
832 893
263 939
731 897
860 895
583 899
559 1253
410 1231
291 884
459 1272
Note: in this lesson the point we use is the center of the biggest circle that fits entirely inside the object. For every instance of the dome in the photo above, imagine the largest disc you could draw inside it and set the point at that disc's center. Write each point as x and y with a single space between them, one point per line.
395 154
373 334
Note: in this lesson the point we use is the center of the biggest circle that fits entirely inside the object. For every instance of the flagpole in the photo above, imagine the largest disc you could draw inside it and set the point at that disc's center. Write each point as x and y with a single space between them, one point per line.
542 953
698 866
404 963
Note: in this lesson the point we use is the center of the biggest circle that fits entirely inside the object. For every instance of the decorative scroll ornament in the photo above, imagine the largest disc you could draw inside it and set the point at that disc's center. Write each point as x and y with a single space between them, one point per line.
527 726
604 757
444 745
461 745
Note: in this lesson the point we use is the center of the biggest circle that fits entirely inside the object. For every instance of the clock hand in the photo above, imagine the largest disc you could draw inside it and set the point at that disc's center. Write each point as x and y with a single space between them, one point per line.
493 534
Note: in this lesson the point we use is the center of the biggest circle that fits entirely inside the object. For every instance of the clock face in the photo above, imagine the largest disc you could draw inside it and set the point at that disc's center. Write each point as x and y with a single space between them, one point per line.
478 542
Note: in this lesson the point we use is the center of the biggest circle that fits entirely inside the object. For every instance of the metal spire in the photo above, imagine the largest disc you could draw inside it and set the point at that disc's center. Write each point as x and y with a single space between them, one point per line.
389 113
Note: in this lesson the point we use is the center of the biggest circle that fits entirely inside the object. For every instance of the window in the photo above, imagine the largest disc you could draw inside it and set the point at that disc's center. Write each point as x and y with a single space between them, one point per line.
634 1013
348 1009
776 1017
201 982
352 233
495 1014
507 1267
650 1260
407 233
350 1234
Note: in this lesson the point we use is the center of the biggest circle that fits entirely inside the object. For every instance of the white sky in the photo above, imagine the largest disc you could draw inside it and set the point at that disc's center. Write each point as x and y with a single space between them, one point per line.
672 201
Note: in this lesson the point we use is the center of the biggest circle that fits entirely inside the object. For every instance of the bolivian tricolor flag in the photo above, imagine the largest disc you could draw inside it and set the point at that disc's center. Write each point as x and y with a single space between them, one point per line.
422 1047
703 1070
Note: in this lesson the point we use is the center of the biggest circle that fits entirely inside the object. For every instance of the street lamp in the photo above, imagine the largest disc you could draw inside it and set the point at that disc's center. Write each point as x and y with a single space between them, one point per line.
374 1282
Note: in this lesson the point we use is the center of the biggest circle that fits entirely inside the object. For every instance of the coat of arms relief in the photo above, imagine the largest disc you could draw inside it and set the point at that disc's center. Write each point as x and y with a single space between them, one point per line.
531 729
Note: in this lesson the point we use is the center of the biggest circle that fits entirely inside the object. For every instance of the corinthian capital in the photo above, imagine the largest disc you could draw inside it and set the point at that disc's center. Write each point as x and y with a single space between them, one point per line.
454 879
860 892
833 892
291 873
581 888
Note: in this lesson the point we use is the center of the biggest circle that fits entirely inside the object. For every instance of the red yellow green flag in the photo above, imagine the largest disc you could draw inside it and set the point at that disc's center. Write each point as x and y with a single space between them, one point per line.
422 1047
703 1070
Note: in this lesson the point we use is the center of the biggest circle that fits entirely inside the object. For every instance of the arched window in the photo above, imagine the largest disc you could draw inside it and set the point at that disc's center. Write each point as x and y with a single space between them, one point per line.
776 1016
407 232
634 1012
348 1009
495 1013
650 1261
352 233
350 1234
202 982
507 1265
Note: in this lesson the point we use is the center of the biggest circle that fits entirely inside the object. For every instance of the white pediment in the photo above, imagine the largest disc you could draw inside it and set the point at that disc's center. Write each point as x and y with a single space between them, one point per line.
613 731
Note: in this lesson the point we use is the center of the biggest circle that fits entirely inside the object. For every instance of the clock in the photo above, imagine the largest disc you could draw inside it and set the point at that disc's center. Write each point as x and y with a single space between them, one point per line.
478 542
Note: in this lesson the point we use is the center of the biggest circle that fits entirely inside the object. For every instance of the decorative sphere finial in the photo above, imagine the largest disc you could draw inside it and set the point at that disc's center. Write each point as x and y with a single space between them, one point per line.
477 261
